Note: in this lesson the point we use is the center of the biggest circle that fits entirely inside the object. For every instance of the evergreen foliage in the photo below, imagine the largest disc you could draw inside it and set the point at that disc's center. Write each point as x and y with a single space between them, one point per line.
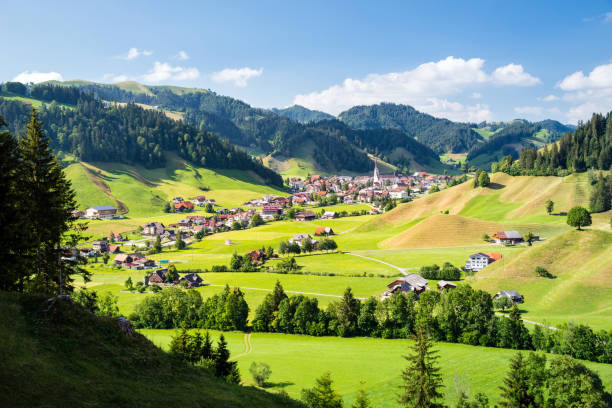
322 395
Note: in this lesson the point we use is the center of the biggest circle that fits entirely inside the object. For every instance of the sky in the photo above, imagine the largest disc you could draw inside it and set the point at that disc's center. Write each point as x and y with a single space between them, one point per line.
467 61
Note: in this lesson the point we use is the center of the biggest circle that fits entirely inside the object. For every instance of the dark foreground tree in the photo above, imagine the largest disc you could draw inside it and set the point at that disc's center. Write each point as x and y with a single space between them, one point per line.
322 395
516 390
421 380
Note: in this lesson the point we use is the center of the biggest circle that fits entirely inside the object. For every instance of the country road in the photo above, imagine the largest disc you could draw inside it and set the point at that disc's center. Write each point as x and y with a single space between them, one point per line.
402 270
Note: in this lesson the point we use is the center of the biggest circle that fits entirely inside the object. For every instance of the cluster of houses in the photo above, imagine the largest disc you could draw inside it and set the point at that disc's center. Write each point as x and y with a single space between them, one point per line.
100 212
417 284
158 277
364 189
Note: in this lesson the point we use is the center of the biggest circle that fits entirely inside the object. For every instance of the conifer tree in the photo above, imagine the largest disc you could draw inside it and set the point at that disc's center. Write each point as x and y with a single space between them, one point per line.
180 244
322 395
157 246
362 400
421 380
223 367
515 391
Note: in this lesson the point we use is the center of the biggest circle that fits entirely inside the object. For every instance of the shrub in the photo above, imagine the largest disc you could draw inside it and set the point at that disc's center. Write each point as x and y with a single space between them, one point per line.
503 303
541 271
260 372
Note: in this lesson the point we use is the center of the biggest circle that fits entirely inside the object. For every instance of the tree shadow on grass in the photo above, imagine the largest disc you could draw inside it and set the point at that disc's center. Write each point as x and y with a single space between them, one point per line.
495 186
281 384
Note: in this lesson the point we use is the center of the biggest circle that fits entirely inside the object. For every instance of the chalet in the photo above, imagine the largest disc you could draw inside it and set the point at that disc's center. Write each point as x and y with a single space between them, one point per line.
100 246
142 263
193 280
444 285
116 237
512 294
328 215
87 252
101 212
158 277
271 210
507 237
153 228
114 249
123 259
305 216
298 238
183 206
77 214
177 200
324 231
481 260
257 256
200 201
408 283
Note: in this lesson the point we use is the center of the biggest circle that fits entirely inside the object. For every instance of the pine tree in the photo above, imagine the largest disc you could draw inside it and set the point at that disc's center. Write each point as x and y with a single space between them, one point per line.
157 246
362 400
50 201
550 205
223 367
515 391
207 351
180 244
322 395
421 379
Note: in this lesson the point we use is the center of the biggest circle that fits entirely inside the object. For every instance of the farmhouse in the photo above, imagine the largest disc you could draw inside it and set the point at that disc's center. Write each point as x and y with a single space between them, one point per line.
409 283
100 246
123 259
158 277
324 231
481 260
116 237
77 214
507 237
444 285
271 210
114 249
512 294
305 216
153 228
101 212
200 201
299 238
328 215
183 206
193 280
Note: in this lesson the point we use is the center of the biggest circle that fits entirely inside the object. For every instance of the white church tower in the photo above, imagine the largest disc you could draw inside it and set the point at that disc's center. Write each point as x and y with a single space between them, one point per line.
376 178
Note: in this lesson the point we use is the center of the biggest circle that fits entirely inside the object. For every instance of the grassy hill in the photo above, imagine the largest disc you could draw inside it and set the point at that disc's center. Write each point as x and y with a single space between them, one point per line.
140 192
62 355
581 262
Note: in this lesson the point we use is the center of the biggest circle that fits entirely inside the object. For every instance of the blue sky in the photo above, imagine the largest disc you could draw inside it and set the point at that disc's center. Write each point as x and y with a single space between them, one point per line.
487 60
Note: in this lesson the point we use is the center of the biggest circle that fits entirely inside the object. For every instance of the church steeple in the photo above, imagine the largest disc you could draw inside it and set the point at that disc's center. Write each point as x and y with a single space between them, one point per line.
376 178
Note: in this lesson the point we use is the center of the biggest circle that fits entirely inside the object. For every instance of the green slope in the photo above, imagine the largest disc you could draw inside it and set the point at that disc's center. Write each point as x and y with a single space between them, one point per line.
63 356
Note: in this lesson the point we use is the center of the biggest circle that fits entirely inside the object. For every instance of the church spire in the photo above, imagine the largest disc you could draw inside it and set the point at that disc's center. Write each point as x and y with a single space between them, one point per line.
376 178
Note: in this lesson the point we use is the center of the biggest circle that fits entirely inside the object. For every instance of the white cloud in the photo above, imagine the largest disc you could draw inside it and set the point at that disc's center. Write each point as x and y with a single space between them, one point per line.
238 76
476 95
549 98
608 17
182 55
429 81
587 93
35 77
513 74
162 71
599 77
529 110
134 53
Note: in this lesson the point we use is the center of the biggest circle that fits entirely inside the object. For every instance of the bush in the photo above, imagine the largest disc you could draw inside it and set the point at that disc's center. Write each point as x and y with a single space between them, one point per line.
260 372
541 271
503 303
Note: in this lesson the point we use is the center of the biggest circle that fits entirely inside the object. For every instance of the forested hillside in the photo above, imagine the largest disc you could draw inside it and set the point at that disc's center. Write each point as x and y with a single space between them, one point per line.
334 148
96 131
301 114
441 135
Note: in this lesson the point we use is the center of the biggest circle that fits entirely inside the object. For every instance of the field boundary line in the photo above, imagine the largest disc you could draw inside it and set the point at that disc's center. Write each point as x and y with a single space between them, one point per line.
402 270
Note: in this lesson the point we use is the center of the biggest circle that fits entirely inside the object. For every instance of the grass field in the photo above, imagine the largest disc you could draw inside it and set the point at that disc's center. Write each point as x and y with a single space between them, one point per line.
297 360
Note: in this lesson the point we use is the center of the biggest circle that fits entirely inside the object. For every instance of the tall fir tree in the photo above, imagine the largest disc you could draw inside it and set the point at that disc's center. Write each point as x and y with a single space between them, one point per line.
322 395
421 380
516 389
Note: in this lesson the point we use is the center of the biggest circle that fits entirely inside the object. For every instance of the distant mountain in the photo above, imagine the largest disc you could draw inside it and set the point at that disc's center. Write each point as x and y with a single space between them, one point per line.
509 138
301 114
441 135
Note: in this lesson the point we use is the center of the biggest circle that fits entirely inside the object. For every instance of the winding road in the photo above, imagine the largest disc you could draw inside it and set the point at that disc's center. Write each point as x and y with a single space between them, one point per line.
248 347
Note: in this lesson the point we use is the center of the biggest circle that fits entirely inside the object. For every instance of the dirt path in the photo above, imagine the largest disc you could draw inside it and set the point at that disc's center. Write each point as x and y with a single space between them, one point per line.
528 321
291 291
402 270
248 347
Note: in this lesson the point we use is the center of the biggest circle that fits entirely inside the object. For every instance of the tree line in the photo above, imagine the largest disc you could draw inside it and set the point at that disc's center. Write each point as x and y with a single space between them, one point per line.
462 315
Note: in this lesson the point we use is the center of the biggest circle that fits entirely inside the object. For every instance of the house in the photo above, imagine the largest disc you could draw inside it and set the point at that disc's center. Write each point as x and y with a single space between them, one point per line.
141 263
444 285
512 294
200 201
408 283
183 206
257 256
398 193
305 216
123 259
158 277
507 237
101 212
298 238
177 200
116 237
114 249
481 260
324 231
328 215
153 228
87 252
271 210
193 280
100 246
77 214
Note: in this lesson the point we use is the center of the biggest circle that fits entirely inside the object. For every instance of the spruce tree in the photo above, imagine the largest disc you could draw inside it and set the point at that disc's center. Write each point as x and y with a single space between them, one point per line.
223 367
322 395
362 400
48 206
515 391
180 244
421 379
157 246
207 352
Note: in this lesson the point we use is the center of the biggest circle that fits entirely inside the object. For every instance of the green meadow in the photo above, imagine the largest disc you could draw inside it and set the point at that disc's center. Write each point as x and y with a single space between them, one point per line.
296 361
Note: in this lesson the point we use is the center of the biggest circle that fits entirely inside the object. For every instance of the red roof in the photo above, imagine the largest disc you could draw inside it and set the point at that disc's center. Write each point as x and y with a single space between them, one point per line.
184 204
495 256
320 231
